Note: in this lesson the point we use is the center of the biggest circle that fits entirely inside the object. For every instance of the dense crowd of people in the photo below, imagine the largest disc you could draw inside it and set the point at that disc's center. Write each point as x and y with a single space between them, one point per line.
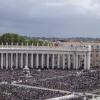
73 81
17 74
78 81
9 92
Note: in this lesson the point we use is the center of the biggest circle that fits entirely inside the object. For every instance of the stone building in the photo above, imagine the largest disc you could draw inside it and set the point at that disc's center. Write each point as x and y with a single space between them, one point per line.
49 57
95 50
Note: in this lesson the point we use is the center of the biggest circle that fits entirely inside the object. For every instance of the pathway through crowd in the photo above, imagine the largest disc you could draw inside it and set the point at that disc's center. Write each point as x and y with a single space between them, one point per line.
42 88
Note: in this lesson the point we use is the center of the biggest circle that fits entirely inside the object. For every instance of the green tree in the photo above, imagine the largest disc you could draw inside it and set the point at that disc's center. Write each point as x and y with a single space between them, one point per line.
15 38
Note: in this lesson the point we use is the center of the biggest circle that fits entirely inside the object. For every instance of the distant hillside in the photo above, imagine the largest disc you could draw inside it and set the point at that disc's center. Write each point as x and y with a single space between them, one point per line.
16 38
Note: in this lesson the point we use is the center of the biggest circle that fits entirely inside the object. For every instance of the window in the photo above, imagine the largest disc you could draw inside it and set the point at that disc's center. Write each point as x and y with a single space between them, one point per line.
97 55
97 46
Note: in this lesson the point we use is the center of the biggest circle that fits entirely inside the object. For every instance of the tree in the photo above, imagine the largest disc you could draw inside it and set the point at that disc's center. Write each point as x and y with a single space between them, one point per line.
15 38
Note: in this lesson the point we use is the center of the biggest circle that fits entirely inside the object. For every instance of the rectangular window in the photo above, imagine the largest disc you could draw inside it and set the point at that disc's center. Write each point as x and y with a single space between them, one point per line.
97 55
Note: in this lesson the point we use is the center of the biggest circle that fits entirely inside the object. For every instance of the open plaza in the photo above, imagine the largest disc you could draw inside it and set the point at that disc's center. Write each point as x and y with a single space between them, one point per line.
48 84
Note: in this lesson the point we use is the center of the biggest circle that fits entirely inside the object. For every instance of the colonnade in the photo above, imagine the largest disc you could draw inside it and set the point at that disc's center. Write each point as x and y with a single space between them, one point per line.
64 57
40 60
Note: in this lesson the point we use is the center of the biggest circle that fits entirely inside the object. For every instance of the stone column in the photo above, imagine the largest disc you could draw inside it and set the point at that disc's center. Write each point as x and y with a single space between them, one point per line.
88 60
53 65
79 61
74 61
1 60
85 61
63 61
77 65
69 65
27 59
58 61
89 57
42 60
37 60
48 61
21 60
6 60
16 60
11 60
31 60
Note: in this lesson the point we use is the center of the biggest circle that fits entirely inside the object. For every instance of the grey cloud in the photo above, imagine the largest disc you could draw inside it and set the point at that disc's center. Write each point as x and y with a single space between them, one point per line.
35 18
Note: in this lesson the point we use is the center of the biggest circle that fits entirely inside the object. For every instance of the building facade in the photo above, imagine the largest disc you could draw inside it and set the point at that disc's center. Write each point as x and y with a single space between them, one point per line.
95 51
49 57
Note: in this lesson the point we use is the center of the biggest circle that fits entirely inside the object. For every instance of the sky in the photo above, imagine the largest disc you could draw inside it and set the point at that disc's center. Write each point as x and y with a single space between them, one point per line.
51 18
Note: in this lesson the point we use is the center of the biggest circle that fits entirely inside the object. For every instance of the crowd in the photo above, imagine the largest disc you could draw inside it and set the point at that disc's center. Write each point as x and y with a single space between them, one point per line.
10 75
17 74
78 81
9 92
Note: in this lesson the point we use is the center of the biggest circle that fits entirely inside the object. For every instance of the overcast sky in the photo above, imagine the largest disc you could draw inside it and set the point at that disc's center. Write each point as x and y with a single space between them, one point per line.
51 18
